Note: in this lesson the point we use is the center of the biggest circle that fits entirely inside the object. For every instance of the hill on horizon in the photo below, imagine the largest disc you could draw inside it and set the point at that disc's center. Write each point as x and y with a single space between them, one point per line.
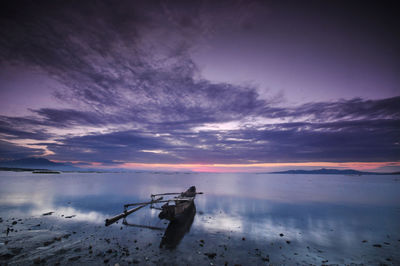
325 171
38 163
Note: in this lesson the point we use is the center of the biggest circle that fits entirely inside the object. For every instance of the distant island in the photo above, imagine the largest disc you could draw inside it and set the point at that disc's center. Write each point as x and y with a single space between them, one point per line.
43 165
324 171
32 164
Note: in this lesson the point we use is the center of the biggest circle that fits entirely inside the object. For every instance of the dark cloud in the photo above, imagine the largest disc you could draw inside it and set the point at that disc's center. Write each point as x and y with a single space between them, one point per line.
346 135
357 140
110 64
69 117
21 128
127 69
126 145
353 109
11 151
338 141
183 116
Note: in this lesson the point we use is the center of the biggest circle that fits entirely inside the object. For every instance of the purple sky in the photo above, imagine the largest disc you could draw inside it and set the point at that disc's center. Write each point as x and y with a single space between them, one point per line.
225 82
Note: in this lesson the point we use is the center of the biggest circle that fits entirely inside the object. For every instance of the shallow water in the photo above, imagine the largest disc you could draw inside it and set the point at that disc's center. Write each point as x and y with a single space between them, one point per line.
324 219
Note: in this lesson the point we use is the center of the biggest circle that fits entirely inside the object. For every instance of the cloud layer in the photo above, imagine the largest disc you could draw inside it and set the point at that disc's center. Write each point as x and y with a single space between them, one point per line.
137 95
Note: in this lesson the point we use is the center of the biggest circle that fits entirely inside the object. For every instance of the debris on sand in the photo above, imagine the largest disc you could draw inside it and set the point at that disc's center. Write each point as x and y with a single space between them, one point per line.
38 260
211 255
61 251
6 256
47 243
74 258
266 258
15 250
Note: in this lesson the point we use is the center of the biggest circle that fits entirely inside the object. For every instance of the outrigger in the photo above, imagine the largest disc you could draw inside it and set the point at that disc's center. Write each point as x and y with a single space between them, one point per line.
173 209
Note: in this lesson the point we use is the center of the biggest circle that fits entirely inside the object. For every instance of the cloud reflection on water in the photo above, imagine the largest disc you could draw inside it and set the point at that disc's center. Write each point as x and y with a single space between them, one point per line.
324 211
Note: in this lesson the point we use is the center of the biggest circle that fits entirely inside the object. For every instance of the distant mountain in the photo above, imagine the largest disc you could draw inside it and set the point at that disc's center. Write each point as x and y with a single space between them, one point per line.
324 171
38 163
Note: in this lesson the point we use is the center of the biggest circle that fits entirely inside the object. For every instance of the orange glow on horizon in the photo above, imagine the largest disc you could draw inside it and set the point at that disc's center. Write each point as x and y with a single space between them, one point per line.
256 167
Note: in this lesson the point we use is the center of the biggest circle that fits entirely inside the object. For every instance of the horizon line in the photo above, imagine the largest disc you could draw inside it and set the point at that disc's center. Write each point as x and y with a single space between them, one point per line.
253 167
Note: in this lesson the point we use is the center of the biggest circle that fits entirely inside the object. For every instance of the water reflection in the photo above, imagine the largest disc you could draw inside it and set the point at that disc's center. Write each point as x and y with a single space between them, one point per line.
332 214
177 228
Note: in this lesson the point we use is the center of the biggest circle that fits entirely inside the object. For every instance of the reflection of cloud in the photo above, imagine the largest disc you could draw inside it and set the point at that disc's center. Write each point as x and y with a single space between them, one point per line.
315 231
40 193
35 199
42 203
298 189
220 222
80 216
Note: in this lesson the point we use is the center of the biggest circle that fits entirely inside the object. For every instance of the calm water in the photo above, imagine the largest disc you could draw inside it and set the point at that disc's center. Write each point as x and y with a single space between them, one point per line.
323 218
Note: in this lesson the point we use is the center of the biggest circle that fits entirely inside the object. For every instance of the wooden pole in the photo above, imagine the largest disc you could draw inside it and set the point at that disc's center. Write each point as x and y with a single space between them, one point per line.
143 226
145 203
158 201
152 195
126 213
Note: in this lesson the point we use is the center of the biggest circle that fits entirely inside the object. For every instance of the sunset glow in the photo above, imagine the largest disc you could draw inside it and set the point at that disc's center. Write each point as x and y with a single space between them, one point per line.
258 167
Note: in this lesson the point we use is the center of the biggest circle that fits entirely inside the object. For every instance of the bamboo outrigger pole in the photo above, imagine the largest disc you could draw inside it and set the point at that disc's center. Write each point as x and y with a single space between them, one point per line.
162 194
158 201
127 212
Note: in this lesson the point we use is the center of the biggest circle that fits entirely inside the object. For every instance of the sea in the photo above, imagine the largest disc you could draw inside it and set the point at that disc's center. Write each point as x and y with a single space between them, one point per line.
241 218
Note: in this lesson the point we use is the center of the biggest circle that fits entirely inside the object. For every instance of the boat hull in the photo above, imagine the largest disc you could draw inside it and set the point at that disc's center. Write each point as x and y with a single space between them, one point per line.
177 228
173 212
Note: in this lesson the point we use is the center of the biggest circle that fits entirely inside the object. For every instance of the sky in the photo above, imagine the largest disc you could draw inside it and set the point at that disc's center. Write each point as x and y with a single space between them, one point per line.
220 86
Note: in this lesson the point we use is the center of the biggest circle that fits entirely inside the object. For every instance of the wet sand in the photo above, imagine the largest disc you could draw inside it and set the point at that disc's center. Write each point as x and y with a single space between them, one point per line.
56 240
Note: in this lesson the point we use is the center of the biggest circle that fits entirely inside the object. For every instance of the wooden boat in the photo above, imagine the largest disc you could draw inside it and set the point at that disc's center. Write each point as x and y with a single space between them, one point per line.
174 208
180 206
45 171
